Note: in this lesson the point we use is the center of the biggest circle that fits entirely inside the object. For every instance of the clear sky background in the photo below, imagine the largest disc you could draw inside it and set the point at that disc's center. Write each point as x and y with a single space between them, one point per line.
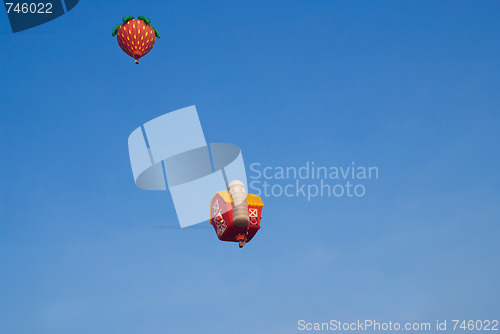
408 86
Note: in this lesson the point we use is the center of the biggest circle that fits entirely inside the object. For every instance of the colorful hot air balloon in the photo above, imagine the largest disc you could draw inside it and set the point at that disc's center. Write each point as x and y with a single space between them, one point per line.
235 215
136 37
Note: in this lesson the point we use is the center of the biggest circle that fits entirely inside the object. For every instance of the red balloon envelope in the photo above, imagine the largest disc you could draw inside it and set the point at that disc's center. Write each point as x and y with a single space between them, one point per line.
136 37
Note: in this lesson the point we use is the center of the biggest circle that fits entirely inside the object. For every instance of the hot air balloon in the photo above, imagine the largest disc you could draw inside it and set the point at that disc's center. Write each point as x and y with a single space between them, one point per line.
235 215
136 37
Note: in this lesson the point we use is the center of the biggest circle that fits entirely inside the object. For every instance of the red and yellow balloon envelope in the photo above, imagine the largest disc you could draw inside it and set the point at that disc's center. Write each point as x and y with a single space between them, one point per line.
235 219
136 37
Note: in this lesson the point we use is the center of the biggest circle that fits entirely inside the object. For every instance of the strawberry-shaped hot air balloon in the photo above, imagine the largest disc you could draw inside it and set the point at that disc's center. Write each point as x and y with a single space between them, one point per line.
136 37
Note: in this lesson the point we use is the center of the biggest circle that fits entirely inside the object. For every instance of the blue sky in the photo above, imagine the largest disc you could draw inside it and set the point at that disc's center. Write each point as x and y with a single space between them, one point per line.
411 87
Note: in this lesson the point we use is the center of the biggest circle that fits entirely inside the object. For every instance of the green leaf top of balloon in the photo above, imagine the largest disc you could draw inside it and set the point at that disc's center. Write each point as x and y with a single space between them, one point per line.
147 20
157 34
127 18
115 30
